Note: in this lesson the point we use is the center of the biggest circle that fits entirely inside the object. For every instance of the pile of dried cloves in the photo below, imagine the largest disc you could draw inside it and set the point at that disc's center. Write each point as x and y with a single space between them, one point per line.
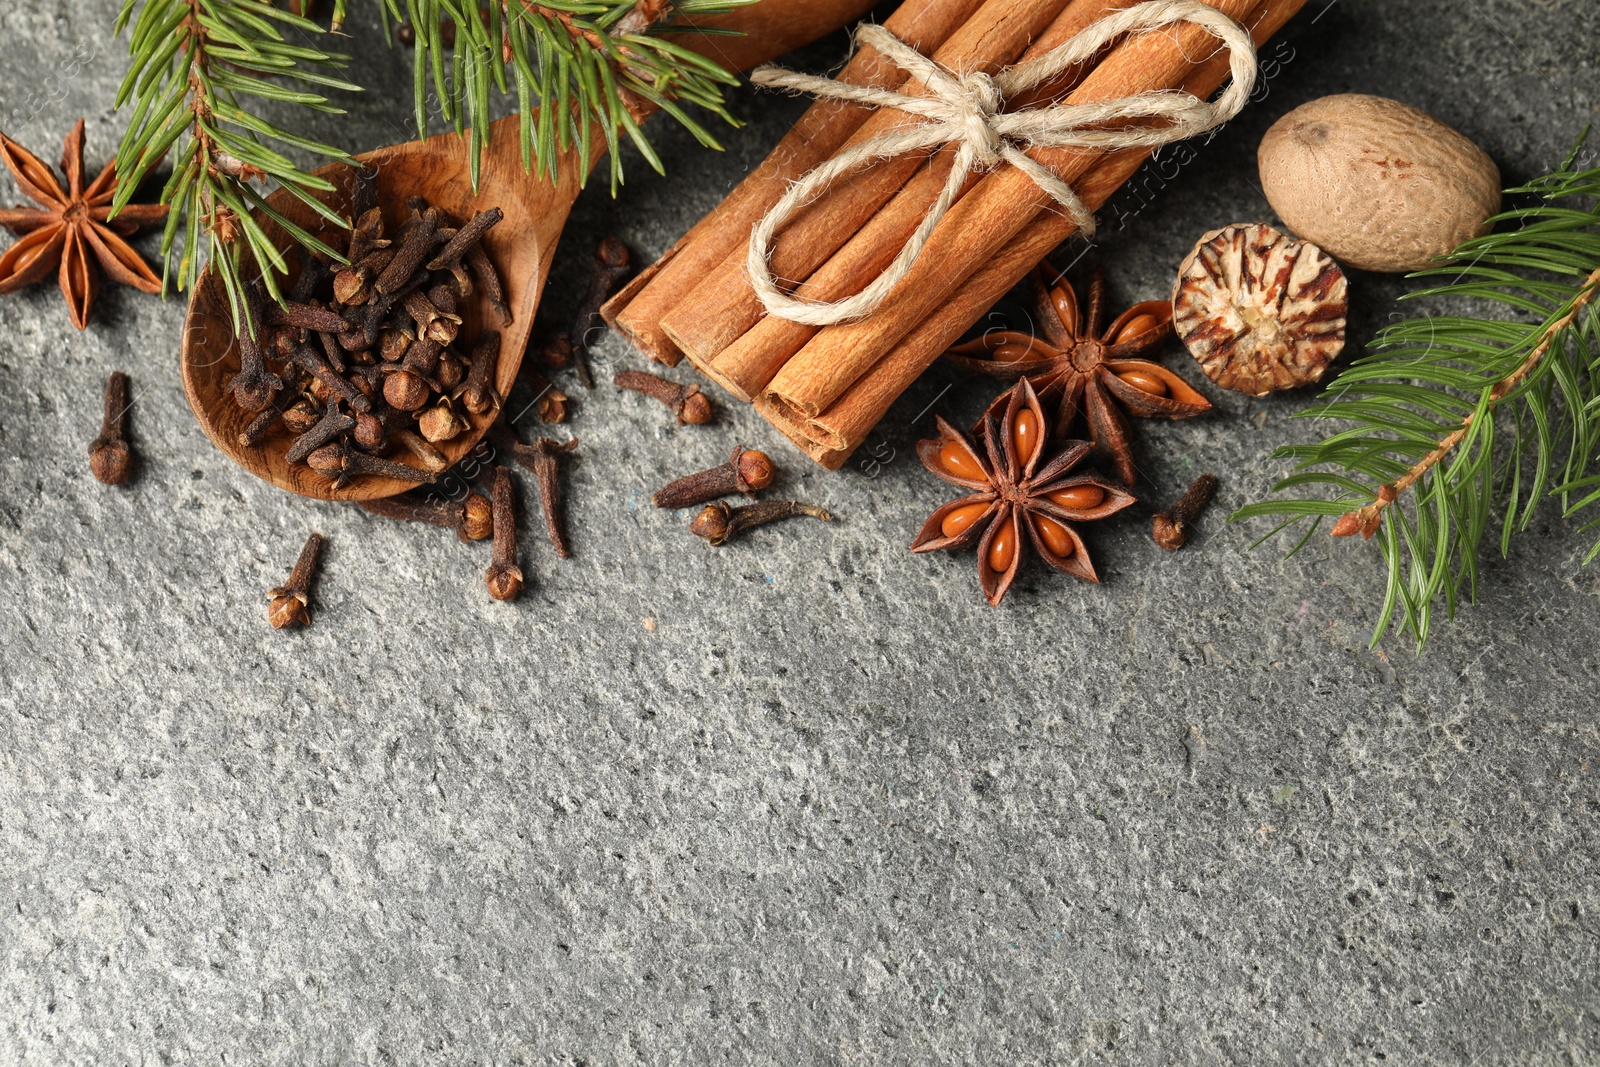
361 362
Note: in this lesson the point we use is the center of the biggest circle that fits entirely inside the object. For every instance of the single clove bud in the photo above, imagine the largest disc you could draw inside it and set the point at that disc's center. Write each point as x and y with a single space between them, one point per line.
353 284
311 361
109 455
290 602
478 395
542 458
254 386
1171 527
719 523
472 517
304 317
408 387
612 261
553 352
745 472
333 423
431 458
300 416
440 423
414 245
256 429
688 403
504 577
372 429
489 282
435 322
449 257
339 463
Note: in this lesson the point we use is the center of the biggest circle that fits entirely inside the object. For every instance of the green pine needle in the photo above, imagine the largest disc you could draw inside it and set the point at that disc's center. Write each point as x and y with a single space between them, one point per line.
576 57
1454 426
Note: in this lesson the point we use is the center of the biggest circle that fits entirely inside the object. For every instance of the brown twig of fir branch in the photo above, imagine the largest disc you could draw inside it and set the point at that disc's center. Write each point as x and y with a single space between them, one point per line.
1365 520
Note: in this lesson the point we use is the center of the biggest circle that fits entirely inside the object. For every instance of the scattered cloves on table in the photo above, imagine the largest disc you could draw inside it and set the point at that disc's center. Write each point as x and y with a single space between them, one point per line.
109 455
543 459
1171 527
472 517
612 261
504 577
719 523
290 602
688 403
746 471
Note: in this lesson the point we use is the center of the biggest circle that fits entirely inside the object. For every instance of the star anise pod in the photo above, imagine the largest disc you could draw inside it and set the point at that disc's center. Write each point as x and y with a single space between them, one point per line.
1024 487
70 228
1099 374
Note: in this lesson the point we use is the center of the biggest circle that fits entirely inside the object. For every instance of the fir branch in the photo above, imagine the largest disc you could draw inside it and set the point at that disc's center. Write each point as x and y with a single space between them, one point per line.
198 66
593 65
1455 421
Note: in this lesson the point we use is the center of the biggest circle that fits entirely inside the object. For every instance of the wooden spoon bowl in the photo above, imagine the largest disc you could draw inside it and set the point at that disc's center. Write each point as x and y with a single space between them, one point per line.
521 246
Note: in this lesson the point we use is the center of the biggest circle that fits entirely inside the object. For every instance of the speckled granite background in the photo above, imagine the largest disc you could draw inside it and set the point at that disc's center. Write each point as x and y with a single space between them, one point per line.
832 808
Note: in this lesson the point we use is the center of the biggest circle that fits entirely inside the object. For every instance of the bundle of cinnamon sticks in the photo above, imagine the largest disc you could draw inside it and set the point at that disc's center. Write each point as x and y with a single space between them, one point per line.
827 387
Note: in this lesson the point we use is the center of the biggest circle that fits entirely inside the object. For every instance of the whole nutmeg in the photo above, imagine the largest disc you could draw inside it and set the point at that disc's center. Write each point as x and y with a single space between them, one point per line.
1375 183
1259 310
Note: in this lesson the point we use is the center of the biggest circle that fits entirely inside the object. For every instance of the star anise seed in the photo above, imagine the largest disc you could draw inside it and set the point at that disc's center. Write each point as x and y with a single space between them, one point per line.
71 228
1100 374
1023 485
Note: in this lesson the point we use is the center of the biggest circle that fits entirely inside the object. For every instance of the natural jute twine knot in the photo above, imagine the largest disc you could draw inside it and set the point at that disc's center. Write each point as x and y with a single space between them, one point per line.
966 110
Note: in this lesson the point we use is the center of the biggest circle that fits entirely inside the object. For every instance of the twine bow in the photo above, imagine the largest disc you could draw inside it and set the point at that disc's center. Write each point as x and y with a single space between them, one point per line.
965 110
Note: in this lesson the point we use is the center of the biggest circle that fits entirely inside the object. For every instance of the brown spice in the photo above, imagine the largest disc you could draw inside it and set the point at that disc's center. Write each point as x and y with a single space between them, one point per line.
471 517
612 261
290 602
1259 310
746 471
720 523
1022 491
71 228
1096 372
109 455
339 463
440 423
478 395
688 403
1171 527
542 458
333 423
504 577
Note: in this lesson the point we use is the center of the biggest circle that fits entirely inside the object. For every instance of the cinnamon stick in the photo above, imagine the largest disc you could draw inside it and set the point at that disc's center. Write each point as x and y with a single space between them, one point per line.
831 437
981 224
748 364
723 306
636 310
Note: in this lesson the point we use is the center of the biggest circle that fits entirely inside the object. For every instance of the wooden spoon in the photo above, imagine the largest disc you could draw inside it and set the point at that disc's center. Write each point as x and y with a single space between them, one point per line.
521 246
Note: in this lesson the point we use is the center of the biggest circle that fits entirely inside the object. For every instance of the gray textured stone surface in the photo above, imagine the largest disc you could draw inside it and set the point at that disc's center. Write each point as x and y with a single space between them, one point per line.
832 808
